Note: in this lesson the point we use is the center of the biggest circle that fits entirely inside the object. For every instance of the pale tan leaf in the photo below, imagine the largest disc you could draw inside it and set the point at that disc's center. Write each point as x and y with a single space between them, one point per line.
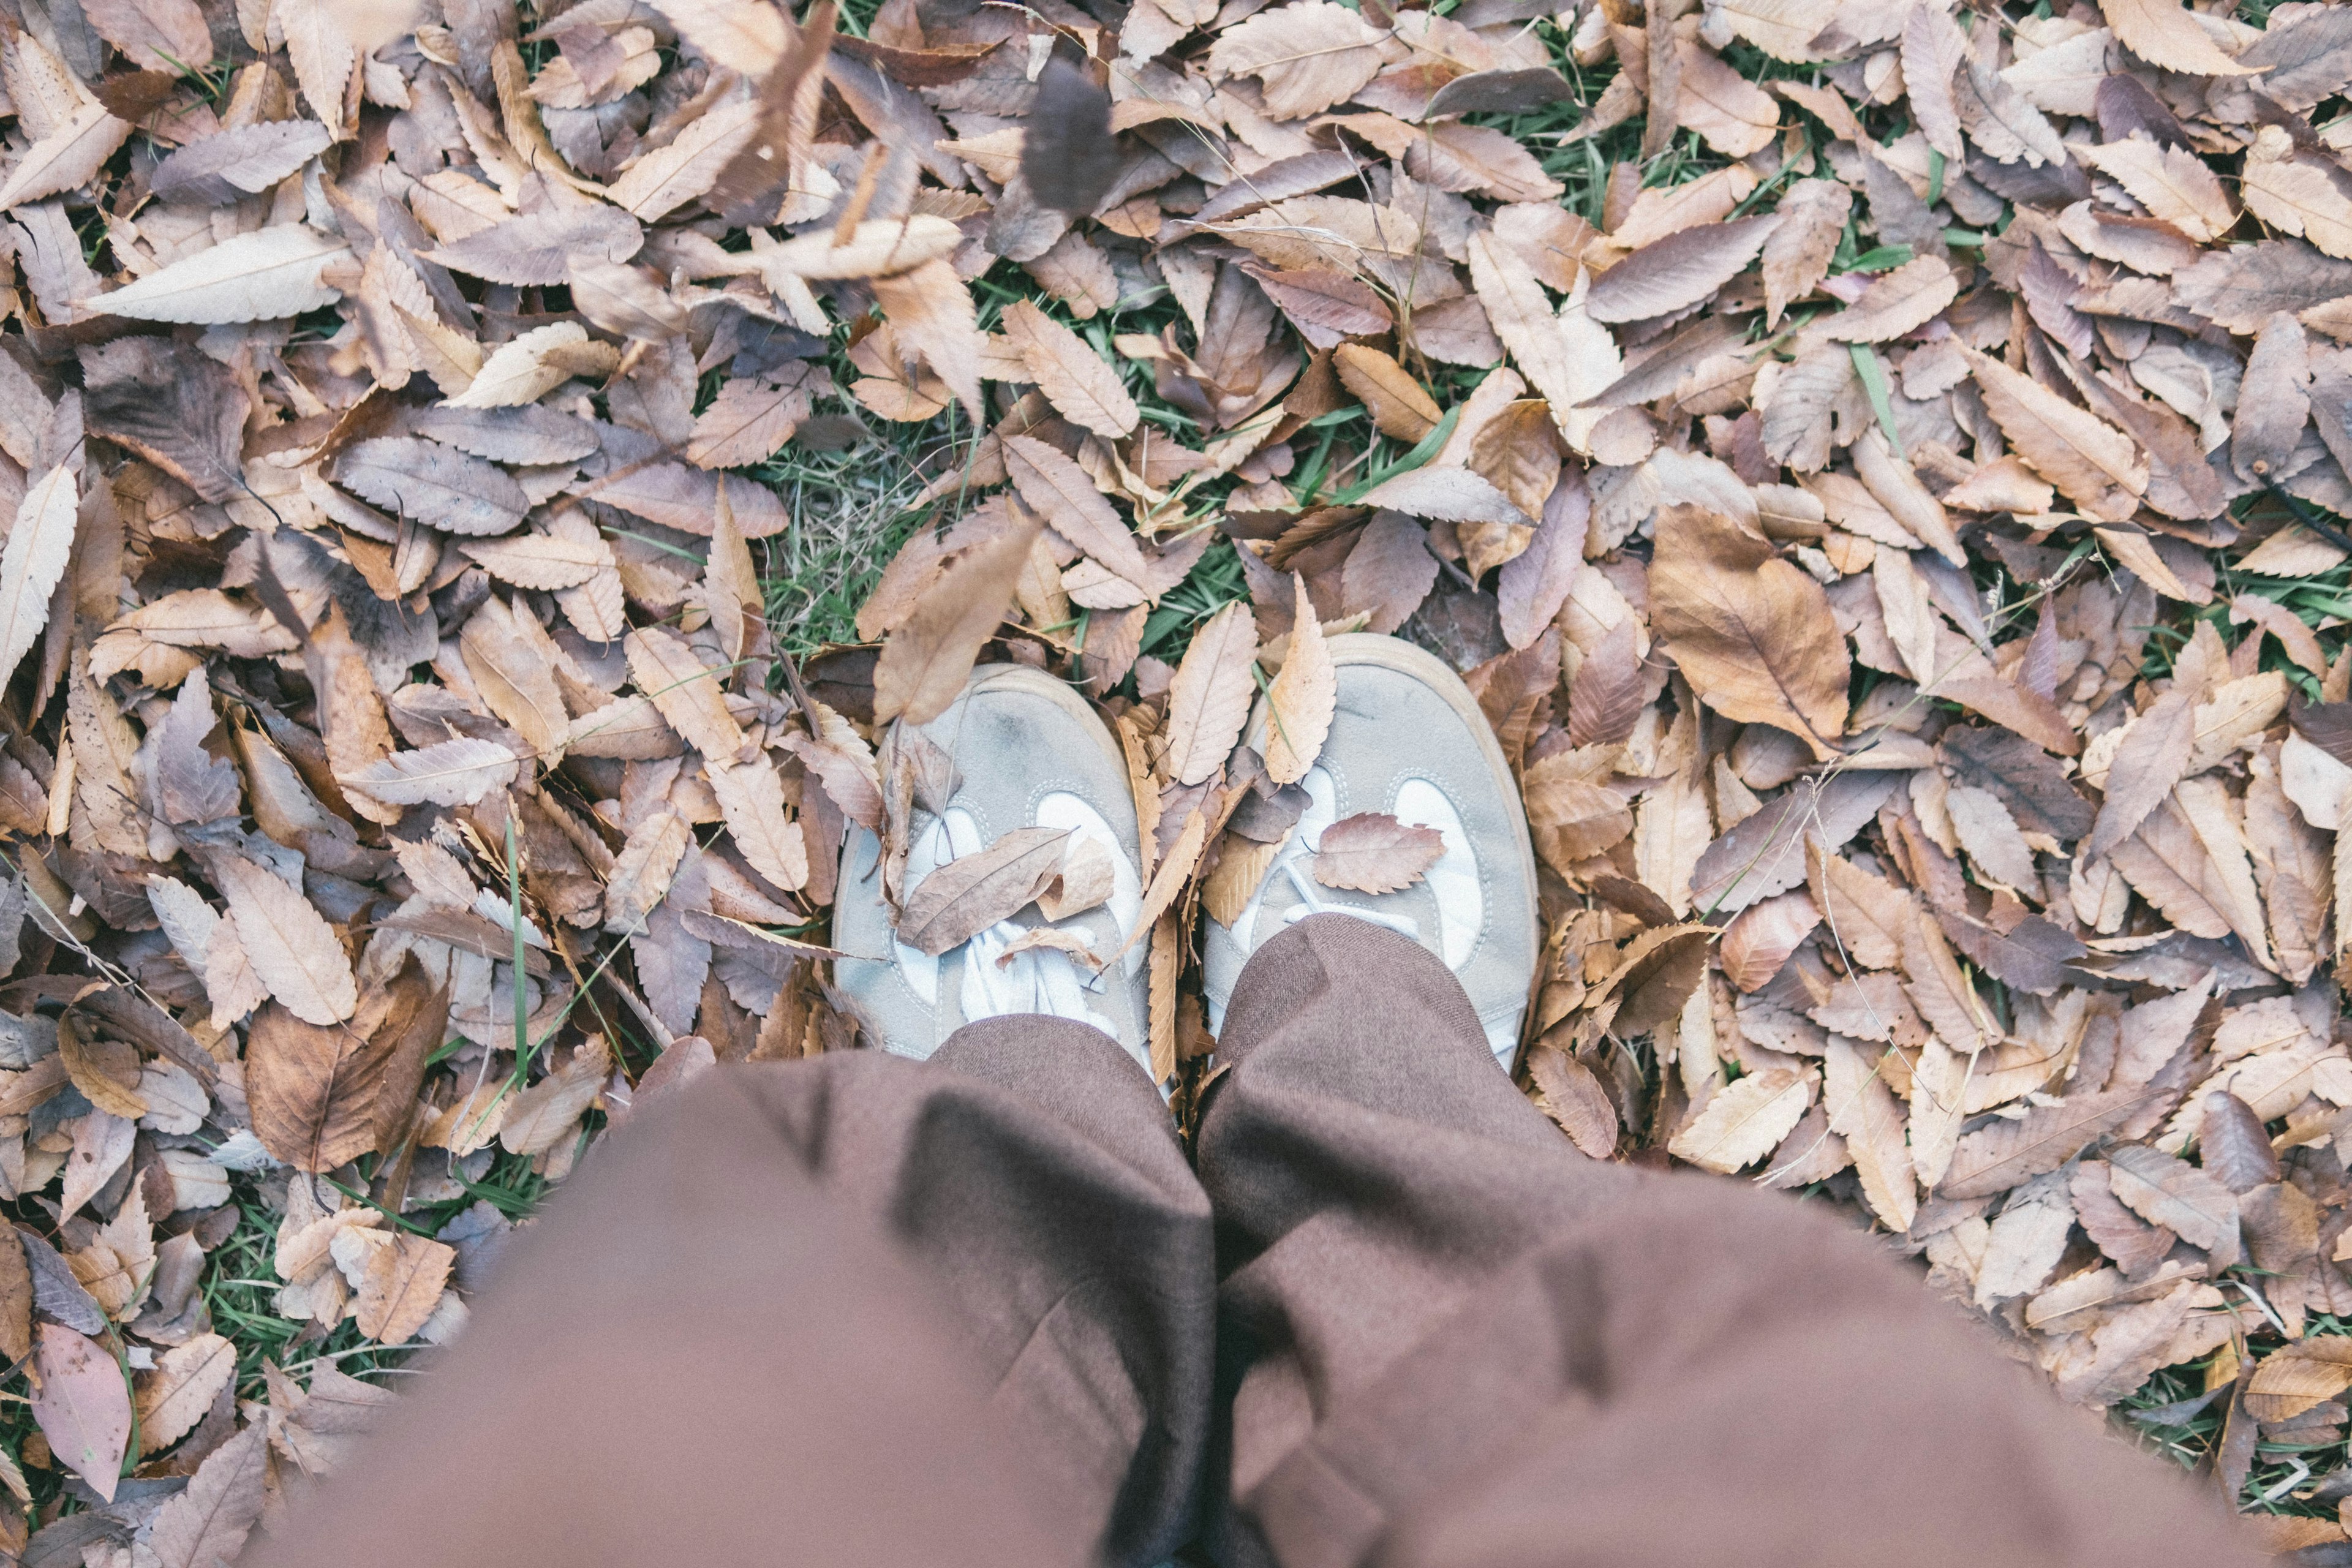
1761 938
2292 1378
402 1287
750 419
669 176
1797 257
2174 1195
1303 697
39 544
1449 495
752 797
174 1396
512 661
2094 464
1075 379
929 655
690 695
289 944
1897 302
932 312
66 157
1209 702
206 1523
2004 1152
542 1115
267 275
528 367
544 560
1730 113
1864 915
1309 56
2296 197
2164 33
2151 758
1398 405
1782 28
2172 183
1863 1111
447 772
879 248
1566 355
1747 1121
320 50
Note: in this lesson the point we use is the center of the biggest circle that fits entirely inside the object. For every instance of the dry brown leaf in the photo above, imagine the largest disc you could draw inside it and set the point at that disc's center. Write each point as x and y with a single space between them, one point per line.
1677 271
1897 302
1372 852
1573 1098
1305 694
926 659
1398 405
323 1095
293 950
968 895
2096 465
1209 701
2151 758
175 1395
1074 378
1308 56
1752 634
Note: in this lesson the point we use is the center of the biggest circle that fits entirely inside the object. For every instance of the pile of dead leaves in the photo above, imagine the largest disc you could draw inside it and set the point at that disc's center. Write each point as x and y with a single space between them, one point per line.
1874 463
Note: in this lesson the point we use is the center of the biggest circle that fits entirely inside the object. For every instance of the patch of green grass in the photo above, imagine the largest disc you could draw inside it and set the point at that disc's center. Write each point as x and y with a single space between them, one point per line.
850 511
2164 1416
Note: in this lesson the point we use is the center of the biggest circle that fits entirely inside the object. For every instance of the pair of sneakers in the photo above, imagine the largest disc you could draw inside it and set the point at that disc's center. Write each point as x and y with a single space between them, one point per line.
1406 737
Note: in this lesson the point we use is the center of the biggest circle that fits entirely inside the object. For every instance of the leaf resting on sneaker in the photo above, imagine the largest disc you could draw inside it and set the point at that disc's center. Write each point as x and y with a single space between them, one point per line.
1372 852
965 897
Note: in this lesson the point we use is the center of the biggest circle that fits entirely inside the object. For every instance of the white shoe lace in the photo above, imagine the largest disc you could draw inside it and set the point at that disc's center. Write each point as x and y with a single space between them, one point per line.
1311 903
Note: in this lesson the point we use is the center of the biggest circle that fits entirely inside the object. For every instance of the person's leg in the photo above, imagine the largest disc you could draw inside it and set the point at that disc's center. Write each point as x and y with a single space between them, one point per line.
856 1310
1451 1340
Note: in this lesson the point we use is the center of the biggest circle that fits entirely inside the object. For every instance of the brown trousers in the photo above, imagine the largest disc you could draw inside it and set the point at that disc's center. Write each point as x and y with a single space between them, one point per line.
863 1312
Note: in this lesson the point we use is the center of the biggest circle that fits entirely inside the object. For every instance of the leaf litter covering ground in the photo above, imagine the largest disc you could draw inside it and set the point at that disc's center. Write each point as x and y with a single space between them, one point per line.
1877 464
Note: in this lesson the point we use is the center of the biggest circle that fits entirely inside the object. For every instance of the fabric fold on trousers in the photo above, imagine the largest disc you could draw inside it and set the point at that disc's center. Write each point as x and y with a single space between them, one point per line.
1447 1340
856 1310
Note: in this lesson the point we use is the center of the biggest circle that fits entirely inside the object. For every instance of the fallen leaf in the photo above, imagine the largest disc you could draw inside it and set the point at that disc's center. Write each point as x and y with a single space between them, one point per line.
175 1395
1372 852
1753 634
1303 697
83 1405
1746 1121
973 892
1209 701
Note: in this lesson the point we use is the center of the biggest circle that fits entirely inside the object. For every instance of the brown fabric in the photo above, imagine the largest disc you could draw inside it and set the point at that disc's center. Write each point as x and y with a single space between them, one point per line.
859 1310
856 1311
1450 1341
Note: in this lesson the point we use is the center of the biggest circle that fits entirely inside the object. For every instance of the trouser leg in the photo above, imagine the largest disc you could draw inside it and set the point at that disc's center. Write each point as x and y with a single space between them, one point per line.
1450 1340
856 1310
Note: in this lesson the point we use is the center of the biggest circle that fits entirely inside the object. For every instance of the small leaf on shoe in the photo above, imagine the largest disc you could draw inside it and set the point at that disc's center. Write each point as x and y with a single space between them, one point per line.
1372 852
